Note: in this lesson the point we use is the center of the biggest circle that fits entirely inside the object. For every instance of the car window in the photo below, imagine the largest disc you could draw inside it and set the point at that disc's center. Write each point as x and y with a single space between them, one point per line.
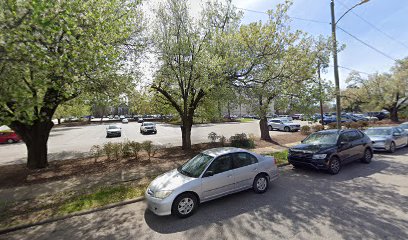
344 137
243 159
221 164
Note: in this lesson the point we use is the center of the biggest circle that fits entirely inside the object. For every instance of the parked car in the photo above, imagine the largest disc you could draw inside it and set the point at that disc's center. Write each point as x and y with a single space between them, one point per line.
404 126
9 137
211 174
287 117
113 131
387 138
125 120
330 149
148 127
140 120
297 116
379 115
122 117
283 124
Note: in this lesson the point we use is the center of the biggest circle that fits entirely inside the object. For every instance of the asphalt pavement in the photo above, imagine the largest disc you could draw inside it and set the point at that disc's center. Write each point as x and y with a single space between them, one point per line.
75 142
364 201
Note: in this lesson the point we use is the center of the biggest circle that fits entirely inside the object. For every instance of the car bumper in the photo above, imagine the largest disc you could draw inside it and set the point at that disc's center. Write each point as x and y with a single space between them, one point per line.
114 134
317 164
381 146
160 207
149 130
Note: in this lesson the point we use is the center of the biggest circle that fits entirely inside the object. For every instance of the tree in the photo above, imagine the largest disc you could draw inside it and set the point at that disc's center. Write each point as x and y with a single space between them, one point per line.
277 65
54 51
387 91
76 107
188 69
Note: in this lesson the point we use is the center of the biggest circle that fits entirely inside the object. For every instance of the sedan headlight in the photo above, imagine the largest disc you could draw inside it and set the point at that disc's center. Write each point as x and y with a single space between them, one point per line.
162 194
319 156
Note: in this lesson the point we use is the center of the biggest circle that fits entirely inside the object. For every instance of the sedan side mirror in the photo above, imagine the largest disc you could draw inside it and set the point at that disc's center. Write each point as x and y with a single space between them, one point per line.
208 174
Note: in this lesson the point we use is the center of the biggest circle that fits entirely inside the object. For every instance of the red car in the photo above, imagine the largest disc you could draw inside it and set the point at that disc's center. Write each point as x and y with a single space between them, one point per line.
9 137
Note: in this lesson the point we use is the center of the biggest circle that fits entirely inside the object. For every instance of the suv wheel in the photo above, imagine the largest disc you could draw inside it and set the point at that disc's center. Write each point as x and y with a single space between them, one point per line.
368 155
334 165
260 184
270 128
184 205
392 147
286 129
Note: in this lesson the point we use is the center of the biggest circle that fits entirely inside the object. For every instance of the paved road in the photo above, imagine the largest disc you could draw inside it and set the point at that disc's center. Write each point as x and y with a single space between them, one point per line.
362 202
74 142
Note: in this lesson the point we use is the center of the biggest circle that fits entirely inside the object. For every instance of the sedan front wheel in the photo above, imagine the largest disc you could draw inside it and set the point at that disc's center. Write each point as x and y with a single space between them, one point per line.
184 205
260 184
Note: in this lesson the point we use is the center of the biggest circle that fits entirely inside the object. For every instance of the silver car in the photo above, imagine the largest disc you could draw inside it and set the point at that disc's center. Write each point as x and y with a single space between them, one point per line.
404 126
283 125
387 138
211 174
113 131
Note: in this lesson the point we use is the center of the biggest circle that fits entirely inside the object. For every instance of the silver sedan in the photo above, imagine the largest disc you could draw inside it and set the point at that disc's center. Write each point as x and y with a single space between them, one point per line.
211 174
387 138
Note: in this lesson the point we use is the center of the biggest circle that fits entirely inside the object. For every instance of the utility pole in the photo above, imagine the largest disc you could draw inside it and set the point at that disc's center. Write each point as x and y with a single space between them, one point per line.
320 92
336 68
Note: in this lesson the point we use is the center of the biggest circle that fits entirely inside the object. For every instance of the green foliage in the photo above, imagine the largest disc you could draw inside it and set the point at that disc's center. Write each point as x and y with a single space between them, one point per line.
305 130
149 148
127 149
108 149
281 157
241 140
212 136
332 125
96 152
223 140
135 148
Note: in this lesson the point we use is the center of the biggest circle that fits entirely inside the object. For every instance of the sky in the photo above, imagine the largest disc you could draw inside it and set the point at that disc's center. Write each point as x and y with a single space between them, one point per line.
382 24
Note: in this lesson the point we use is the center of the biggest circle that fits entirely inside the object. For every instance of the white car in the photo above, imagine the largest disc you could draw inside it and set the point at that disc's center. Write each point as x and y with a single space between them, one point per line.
125 120
209 175
113 131
283 125
148 127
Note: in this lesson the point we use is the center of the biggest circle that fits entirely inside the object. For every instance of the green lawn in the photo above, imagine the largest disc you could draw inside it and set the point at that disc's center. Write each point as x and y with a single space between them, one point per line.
281 157
245 120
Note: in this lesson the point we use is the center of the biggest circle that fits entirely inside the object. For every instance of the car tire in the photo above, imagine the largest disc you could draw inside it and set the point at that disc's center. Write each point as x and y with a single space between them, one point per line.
184 205
368 155
10 141
392 147
334 165
286 129
270 128
261 183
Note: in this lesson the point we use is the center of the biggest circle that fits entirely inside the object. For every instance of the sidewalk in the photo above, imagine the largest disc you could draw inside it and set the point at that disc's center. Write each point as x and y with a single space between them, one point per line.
83 183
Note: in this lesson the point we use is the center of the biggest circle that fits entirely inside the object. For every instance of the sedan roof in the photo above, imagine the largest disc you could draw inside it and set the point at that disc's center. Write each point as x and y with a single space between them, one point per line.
215 152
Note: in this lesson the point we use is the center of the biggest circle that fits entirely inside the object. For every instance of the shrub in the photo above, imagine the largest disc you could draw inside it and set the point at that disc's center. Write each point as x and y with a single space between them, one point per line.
364 124
135 148
96 152
355 125
347 124
223 140
317 127
332 125
117 151
126 149
108 150
212 136
305 130
241 140
148 147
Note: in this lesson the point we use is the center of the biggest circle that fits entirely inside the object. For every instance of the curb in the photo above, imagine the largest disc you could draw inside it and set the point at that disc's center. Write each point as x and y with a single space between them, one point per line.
28 225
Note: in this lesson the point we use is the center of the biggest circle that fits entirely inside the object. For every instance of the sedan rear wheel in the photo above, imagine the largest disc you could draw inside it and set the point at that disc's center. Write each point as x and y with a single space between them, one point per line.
184 205
260 184
10 140
334 165
270 128
392 147
286 129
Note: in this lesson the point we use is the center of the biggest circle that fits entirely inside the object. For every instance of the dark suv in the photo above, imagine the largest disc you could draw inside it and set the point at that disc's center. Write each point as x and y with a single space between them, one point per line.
330 149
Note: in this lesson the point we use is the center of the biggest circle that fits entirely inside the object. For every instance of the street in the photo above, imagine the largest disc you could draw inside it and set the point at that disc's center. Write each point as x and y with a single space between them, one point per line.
361 202
75 142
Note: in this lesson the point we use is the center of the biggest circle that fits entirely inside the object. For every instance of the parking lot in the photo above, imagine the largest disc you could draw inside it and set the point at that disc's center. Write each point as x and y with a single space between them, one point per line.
362 202
75 142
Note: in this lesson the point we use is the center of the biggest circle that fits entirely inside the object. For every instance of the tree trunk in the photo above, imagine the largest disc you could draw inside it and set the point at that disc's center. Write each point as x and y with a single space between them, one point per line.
263 125
187 123
394 114
59 121
35 137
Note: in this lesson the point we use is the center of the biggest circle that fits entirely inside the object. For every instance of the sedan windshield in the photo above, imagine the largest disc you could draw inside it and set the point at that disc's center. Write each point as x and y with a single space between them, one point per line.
113 127
148 124
404 126
329 138
378 131
195 166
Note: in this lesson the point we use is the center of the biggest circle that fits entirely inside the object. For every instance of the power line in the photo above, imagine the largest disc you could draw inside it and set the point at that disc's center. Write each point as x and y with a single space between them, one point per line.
368 45
375 27
297 18
350 69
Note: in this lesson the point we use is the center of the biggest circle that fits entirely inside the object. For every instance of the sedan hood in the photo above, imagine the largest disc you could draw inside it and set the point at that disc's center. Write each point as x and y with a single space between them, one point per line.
169 181
375 138
311 148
